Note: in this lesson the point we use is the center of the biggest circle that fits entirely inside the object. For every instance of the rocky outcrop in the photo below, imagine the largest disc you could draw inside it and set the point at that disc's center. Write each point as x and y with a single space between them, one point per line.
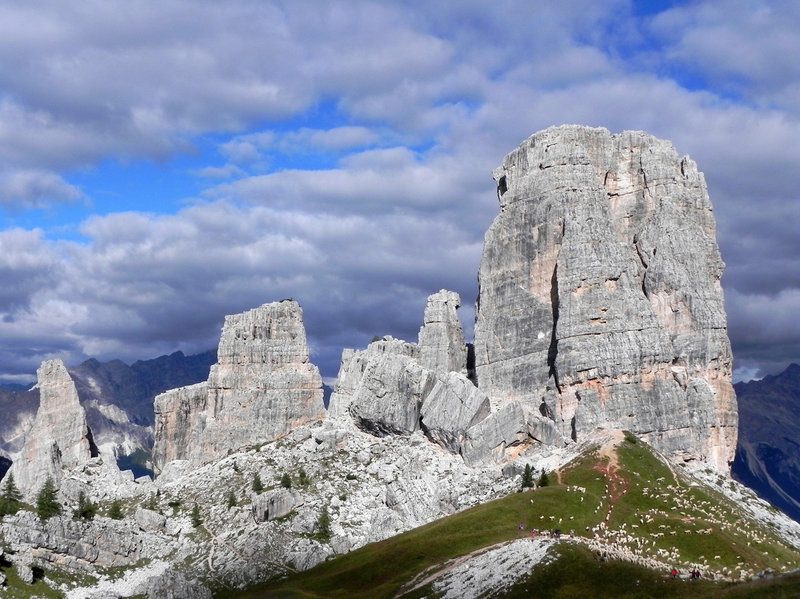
60 438
396 388
274 504
600 299
442 347
262 386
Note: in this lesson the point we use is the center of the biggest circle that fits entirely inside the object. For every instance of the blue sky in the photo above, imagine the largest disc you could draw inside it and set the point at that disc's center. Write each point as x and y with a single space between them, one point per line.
164 164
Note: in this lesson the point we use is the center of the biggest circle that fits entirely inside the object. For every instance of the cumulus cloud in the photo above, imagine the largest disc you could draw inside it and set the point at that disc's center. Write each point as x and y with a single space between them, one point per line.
351 146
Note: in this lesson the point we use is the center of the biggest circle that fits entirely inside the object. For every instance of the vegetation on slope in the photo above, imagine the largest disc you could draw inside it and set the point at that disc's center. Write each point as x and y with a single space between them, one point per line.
626 498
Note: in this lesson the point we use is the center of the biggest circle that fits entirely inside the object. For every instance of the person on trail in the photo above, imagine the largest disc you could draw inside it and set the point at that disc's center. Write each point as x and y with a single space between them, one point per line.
674 572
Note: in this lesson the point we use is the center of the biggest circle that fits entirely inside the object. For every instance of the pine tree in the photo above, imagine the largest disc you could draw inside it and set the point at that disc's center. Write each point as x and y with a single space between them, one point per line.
527 477
47 504
286 481
196 519
231 499
258 486
302 478
11 498
544 480
86 510
324 524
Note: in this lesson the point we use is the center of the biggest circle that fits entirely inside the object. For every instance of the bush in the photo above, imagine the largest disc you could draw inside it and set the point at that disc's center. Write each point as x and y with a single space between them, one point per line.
196 519
47 504
231 499
302 478
115 511
258 486
286 481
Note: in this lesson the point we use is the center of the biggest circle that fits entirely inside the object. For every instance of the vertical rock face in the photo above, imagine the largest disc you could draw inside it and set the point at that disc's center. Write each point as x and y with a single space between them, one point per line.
600 299
261 387
395 388
441 338
60 438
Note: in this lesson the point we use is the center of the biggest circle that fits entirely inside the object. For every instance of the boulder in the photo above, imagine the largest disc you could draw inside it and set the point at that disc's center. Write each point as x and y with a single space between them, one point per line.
274 504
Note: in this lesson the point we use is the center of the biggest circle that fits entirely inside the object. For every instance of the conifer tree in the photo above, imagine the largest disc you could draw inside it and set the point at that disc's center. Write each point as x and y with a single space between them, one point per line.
286 481
86 510
231 499
47 504
324 524
258 486
544 480
11 498
196 519
527 477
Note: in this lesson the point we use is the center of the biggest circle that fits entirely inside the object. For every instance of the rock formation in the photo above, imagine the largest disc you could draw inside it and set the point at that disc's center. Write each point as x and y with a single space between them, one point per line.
60 438
441 338
261 387
600 301
396 388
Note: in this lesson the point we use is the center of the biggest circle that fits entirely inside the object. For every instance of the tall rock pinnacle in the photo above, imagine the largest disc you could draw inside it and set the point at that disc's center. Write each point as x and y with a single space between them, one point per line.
600 300
60 438
262 386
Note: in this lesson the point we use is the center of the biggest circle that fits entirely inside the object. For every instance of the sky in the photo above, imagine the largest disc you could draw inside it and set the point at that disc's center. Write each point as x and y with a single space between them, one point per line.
163 164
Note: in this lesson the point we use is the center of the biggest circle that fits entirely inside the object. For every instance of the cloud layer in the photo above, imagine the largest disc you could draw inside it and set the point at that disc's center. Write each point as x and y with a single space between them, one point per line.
340 153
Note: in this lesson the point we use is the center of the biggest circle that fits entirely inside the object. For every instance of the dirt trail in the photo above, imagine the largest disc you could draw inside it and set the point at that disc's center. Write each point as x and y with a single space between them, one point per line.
617 485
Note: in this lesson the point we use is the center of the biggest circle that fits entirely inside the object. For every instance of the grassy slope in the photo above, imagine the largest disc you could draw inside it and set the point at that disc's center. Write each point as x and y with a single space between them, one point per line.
643 497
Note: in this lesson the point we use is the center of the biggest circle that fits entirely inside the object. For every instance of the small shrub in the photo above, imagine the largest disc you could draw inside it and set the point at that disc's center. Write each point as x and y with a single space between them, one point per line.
302 478
115 510
197 520
231 499
286 481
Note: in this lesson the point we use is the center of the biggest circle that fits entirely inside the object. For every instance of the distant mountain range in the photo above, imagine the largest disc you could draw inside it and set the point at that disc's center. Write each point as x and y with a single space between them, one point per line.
768 453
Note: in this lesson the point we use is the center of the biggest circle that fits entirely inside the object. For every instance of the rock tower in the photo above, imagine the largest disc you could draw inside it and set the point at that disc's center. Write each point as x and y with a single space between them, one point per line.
60 438
261 387
600 302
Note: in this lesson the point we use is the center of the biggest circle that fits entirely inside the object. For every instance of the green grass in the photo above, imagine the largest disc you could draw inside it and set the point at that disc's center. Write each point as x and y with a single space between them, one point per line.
656 503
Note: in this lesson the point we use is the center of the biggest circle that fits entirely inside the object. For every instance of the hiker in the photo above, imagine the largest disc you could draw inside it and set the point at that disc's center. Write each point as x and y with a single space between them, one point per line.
674 572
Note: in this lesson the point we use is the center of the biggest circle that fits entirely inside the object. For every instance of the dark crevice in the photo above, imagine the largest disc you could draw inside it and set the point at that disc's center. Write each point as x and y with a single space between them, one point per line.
93 451
502 186
552 352
471 374
574 433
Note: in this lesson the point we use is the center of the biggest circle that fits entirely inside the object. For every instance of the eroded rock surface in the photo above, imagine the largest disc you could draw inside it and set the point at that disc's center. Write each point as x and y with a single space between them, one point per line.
59 439
262 386
600 298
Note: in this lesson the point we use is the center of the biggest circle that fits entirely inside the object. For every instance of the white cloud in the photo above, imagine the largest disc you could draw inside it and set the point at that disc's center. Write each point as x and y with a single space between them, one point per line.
407 107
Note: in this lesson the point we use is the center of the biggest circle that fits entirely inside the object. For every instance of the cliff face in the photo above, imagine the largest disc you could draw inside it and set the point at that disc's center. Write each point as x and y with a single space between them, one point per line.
261 387
600 300
60 438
